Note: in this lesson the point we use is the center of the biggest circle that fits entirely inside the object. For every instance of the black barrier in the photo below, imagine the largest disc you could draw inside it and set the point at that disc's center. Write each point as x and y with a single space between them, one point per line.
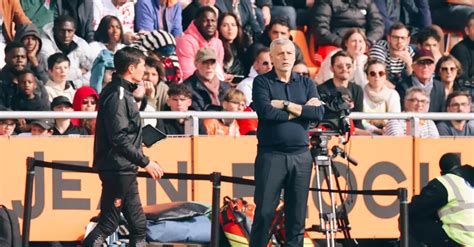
216 180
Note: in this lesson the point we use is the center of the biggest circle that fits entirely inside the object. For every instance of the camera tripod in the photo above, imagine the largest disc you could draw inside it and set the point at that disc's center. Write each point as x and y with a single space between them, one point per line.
335 219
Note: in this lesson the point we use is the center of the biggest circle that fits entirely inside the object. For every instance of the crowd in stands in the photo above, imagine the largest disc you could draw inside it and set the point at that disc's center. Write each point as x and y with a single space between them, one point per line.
203 55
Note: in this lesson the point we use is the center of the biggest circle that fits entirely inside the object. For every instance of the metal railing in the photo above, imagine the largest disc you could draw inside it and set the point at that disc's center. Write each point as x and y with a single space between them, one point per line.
192 117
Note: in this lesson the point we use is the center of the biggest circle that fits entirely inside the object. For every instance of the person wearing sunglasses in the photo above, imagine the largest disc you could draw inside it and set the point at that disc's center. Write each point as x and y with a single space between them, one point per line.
85 99
458 101
301 69
450 72
423 69
378 97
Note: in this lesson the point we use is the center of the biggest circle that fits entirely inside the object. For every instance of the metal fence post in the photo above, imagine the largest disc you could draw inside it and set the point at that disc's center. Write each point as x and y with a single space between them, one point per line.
216 194
414 127
403 198
191 126
30 176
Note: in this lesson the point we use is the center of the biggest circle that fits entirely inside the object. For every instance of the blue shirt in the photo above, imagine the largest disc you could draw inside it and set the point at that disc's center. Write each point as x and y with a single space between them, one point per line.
275 132
148 17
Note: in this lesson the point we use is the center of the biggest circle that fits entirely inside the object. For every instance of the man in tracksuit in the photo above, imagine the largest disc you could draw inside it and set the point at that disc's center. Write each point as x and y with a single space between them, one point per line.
118 153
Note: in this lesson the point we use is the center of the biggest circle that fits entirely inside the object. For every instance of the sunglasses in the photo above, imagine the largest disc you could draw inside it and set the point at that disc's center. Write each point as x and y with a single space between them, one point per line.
86 102
445 69
303 74
380 73
266 63
425 62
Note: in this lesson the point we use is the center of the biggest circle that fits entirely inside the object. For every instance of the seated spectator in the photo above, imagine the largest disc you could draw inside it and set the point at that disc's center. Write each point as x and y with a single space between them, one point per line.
464 50
301 69
245 16
102 69
15 62
451 14
416 100
422 77
448 71
40 12
59 37
332 19
64 126
7 127
30 37
342 67
378 97
58 85
158 14
201 33
395 52
189 12
458 101
279 28
85 99
261 65
208 91
230 33
32 95
11 16
41 127
143 105
430 39
124 10
355 44
234 101
156 89
179 99
109 35
82 13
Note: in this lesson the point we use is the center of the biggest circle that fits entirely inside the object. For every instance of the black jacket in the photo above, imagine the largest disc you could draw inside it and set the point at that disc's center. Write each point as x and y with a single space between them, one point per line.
82 12
332 18
118 136
8 89
464 52
30 29
437 95
201 96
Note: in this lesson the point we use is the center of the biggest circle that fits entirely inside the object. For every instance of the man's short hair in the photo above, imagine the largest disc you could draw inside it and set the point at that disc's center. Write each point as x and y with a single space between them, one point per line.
427 33
398 26
26 71
62 19
469 19
202 10
281 41
457 93
339 54
57 58
449 162
178 90
261 50
281 20
125 57
234 95
13 45
415 89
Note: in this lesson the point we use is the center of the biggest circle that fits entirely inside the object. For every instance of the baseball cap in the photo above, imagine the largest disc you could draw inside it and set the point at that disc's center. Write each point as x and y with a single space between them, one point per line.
423 54
43 123
60 100
204 54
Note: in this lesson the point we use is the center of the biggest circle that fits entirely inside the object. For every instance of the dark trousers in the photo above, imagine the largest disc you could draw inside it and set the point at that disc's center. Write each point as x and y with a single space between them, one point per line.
119 194
274 171
429 232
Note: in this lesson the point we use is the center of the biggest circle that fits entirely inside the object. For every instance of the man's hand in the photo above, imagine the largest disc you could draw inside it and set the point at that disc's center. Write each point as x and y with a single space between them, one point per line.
404 56
314 102
277 103
155 170
130 37
149 89
266 15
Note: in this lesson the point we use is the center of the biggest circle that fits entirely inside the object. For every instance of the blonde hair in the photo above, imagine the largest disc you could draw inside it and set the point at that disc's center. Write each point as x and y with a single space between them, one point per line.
235 95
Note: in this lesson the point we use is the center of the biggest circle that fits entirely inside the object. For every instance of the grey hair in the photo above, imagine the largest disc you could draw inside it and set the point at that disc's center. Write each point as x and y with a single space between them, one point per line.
416 89
280 42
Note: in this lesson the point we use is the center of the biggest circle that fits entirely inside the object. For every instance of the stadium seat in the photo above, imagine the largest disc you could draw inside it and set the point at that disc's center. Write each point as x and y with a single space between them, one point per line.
300 39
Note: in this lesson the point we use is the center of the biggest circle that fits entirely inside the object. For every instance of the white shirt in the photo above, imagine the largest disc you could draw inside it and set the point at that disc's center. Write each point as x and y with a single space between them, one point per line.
246 85
125 13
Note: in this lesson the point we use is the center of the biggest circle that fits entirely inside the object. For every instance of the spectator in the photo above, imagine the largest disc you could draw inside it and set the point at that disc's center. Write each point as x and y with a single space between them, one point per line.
416 100
158 14
11 16
234 101
458 101
430 39
355 43
298 12
230 33
261 65
156 89
208 91
15 62
279 28
40 12
378 97
189 13
32 95
58 85
395 52
124 10
451 14
332 19
245 16
81 12
301 69
102 69
30 37
7 127
179 99
109 35
423 70
59 37
85 99
201 33
64 126
41 127
342 67
464 50
143 103
448 71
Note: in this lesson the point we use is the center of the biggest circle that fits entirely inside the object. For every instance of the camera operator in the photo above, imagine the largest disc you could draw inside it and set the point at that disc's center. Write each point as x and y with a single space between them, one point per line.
285 103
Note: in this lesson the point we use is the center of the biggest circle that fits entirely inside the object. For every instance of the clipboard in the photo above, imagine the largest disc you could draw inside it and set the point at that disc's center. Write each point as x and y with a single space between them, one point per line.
151 135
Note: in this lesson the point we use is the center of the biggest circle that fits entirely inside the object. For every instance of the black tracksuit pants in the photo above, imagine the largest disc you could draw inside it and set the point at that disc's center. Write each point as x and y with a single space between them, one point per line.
274 171
119 194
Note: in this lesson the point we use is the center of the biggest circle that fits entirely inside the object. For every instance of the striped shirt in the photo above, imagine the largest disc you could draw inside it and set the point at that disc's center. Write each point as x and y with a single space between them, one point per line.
381 51
398 127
